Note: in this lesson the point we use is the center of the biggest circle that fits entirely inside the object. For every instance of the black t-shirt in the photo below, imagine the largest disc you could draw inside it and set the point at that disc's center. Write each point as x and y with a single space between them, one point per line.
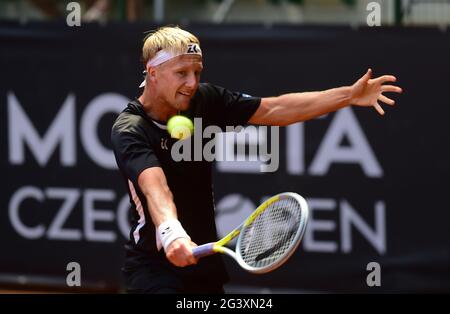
140 143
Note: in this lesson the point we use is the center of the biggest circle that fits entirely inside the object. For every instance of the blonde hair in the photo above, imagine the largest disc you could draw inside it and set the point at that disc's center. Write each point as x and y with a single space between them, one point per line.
171 38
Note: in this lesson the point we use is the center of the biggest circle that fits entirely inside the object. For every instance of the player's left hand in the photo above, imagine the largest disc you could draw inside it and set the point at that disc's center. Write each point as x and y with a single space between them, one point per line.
368 92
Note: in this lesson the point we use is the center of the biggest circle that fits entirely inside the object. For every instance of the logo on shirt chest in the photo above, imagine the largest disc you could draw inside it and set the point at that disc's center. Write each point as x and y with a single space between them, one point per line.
164 143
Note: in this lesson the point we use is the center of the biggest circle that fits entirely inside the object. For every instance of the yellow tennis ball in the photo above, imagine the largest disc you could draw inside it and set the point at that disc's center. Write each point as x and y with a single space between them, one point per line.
180 127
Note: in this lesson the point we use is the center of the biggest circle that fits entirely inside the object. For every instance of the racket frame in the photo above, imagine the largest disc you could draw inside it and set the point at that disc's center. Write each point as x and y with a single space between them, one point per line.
219 246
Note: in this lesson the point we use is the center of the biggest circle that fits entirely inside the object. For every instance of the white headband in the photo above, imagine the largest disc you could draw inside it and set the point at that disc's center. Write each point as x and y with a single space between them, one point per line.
165 55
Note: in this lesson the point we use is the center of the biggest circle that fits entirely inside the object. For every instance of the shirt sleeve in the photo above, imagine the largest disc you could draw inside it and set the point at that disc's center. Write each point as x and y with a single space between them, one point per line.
229 108
132 150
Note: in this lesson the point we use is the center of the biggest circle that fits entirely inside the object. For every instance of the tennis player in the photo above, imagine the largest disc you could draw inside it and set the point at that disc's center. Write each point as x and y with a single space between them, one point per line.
172 202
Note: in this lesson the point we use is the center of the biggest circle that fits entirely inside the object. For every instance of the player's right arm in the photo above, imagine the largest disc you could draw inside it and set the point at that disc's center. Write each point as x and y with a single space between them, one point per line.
161 206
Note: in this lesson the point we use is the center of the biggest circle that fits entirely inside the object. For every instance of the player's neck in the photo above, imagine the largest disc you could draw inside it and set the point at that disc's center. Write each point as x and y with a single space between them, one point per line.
155 108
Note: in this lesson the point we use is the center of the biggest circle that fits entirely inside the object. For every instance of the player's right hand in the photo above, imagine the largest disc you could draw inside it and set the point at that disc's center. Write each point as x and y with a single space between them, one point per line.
179 252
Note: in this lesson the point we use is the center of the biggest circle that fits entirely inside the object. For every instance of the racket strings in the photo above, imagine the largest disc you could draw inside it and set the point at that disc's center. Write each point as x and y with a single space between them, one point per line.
271 234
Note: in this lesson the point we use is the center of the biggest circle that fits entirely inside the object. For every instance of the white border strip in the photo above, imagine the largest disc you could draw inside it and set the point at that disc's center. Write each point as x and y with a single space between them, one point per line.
140 211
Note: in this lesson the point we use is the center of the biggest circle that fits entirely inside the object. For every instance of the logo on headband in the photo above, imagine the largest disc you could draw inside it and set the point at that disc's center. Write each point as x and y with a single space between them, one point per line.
193 48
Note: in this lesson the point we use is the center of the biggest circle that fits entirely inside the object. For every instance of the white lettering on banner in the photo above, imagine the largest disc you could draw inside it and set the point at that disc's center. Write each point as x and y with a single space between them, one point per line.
70 197
316 225
359 152
27 192
343 125
62 132
21 131
232 209
91 215
95 110
349 217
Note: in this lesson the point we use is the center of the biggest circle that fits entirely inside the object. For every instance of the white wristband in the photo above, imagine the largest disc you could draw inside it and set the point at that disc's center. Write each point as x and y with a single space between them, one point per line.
168 231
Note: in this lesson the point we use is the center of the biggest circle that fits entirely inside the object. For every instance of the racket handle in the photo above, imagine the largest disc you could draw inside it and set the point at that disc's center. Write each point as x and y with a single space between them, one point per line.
203 250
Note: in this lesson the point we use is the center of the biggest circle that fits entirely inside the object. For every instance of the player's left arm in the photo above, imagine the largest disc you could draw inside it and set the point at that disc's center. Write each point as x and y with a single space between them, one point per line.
290 108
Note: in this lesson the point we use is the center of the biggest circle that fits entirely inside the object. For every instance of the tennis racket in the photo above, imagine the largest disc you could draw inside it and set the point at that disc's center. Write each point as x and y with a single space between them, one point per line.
268 237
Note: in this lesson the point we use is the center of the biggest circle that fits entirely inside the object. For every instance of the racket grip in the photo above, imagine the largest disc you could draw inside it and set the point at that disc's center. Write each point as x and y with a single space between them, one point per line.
203 250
